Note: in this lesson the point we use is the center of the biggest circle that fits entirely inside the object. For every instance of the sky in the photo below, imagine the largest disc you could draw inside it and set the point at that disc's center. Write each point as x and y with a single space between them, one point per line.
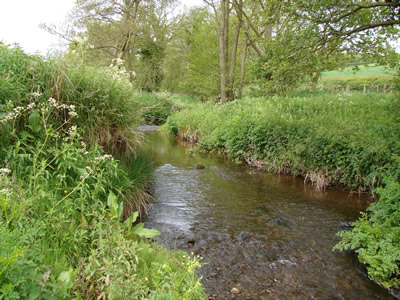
20 21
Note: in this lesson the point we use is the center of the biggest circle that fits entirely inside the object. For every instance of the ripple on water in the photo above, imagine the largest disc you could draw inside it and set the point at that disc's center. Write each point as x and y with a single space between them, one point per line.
269 236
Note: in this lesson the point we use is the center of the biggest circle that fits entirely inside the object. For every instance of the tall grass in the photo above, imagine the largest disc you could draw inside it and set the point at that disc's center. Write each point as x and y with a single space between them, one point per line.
61 236
104 101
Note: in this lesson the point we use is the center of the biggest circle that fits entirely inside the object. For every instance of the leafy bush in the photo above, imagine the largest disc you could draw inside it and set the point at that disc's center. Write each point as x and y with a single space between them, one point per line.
155 108
376 236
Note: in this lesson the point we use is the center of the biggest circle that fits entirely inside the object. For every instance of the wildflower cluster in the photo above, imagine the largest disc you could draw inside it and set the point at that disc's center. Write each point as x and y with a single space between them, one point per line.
4 171
104 157
16 112
117 70
3 181
192 263
71 108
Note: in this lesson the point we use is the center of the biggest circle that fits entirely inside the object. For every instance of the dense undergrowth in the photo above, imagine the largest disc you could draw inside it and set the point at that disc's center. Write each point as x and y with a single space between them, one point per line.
376 234
346 140
350 140
63 195
156 108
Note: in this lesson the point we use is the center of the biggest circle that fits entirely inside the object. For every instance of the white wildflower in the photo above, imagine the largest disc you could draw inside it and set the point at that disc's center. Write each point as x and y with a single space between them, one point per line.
6 192
52 102
5 171
36 94
104 157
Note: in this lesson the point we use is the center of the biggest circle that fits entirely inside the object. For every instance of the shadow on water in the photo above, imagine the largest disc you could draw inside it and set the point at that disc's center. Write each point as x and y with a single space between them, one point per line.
268 236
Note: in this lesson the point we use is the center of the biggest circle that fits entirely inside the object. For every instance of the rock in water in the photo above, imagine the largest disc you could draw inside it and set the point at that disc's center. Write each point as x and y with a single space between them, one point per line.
200 165
235 291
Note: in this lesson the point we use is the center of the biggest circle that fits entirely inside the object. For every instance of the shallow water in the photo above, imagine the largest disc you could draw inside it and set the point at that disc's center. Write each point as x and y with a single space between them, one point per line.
269 236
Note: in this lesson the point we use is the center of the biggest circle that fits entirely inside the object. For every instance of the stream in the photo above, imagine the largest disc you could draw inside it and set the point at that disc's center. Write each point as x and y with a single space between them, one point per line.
269 236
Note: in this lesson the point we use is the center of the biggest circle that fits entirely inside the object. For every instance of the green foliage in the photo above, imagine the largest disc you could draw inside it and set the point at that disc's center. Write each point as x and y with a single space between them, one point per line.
191 63
328 139
155 108
55 185
376 236
132 269
101 97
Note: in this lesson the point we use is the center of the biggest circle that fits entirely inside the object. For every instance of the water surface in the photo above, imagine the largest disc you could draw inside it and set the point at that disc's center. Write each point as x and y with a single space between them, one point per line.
269 236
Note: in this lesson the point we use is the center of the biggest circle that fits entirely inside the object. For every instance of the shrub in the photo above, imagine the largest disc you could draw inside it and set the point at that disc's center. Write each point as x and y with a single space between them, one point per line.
376 236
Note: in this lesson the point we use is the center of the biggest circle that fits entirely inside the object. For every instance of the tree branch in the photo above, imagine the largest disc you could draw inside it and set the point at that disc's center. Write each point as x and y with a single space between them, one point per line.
371 26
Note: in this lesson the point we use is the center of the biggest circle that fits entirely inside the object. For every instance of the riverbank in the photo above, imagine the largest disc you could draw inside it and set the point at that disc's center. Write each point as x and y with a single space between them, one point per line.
349 140
345 140
71 186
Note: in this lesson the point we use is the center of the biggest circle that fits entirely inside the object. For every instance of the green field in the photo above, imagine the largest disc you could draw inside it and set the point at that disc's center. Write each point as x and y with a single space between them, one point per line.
361 71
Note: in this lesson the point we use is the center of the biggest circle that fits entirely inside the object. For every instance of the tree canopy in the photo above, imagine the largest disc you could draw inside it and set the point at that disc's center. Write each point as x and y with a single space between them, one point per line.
215 49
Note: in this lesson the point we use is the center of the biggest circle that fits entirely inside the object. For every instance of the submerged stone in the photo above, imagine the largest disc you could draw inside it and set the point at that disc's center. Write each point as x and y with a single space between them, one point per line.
200 165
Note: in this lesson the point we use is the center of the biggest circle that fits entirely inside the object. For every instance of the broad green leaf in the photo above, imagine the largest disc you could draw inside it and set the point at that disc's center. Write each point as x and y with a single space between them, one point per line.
113 204
34 122
132 218
144 232
66 279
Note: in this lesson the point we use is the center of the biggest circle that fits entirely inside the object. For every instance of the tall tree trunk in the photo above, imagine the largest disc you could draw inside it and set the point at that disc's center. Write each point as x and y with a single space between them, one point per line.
129 20
222 52
242 69
314 79
233 59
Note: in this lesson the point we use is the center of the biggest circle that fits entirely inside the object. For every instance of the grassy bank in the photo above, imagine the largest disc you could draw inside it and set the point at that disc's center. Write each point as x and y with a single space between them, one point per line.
345 140
64 195
351 140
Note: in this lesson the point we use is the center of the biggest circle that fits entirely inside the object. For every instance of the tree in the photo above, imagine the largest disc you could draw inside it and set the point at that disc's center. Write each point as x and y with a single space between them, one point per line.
309 37
133 31
226 20
191 62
